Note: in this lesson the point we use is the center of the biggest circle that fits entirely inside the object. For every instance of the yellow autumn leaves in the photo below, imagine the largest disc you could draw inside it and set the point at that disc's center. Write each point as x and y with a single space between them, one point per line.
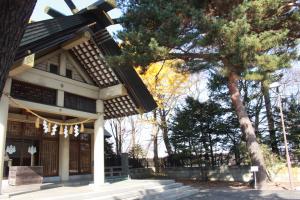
164 81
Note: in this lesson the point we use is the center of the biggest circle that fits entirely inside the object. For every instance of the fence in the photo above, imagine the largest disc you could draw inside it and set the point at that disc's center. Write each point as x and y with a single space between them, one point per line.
114 171
116 166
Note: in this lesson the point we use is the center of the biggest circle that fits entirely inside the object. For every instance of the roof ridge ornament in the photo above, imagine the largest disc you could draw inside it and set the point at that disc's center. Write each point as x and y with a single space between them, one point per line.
103 5
72 6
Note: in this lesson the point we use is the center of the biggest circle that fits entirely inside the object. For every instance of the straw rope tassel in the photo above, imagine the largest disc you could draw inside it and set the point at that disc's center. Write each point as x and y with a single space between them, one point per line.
71 130
61 130
49 127
81 128
37 123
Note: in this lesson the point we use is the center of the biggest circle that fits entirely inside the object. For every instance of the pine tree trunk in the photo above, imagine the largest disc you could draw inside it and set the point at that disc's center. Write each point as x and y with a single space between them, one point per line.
271 124
258 108
253 147
14 17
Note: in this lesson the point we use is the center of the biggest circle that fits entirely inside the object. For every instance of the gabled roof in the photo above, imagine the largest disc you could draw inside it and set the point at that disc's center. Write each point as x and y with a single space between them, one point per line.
45 36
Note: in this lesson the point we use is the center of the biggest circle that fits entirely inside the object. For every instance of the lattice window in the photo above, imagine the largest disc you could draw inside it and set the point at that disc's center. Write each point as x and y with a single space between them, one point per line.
79 103
14 128
34 93
31 131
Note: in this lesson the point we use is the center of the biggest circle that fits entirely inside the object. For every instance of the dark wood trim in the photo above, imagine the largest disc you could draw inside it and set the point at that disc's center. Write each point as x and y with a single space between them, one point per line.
39 139
78 143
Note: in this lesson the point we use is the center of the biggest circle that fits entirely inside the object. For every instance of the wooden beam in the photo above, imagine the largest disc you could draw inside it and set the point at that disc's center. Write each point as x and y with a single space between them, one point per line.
22 65
72 6
105 5
31 119
77 120
52 12
79 39
54 109
26 118
46 79
112 92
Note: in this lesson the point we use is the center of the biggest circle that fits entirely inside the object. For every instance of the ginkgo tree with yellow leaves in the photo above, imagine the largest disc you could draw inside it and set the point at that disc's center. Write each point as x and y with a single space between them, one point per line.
167 85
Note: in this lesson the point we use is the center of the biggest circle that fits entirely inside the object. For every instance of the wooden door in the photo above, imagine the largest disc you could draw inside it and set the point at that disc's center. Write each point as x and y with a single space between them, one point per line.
80 154
49 157
74 157
85 158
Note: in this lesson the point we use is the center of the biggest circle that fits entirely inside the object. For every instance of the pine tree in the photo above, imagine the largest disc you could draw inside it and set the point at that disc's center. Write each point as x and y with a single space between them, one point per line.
196 130
234 35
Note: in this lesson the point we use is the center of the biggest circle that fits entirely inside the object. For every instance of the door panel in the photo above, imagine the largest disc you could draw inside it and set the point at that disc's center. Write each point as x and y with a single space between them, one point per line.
49 157
85 158
74 157
80 157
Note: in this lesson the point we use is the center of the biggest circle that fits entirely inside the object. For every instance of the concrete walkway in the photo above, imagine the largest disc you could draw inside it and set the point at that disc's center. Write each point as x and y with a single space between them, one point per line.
129 189
143 189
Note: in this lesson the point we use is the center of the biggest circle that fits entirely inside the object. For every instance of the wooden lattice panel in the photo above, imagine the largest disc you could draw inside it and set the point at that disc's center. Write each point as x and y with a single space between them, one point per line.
14 128
31 131
119 107
34 93
93 62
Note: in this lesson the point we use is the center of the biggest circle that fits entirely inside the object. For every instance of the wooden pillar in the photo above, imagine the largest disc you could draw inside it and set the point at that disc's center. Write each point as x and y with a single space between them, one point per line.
62 64
60 98
64 157
99 175
92 152
4 105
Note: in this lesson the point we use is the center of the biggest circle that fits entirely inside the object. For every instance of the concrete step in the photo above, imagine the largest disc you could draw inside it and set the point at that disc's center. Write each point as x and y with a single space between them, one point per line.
125 187
126 190
172 193
141 193
177 194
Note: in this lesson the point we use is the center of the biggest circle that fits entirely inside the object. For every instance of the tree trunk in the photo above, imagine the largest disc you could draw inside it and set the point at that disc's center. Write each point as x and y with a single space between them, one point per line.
165 131
117 126
117 138
133 149
271 124
237 154
206 148
253 147
257 117
211 151
155 143
14 17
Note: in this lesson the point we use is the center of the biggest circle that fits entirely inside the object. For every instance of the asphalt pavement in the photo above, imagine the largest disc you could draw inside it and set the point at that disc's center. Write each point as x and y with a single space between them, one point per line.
248 194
